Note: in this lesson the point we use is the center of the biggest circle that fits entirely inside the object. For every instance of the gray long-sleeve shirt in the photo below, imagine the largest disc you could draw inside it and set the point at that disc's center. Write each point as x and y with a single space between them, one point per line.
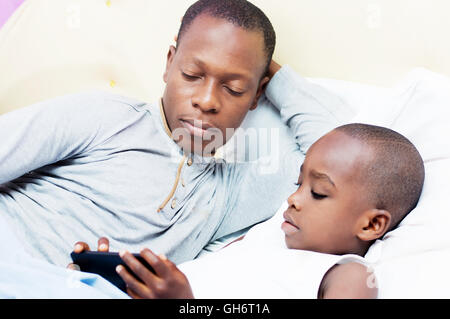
87 165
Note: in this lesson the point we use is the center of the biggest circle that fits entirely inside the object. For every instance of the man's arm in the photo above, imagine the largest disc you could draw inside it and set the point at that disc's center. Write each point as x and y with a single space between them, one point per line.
308 109
52 130
348 281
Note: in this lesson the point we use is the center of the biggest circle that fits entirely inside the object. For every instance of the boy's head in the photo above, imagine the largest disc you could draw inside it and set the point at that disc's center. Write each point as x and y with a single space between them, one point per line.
356 183
216 73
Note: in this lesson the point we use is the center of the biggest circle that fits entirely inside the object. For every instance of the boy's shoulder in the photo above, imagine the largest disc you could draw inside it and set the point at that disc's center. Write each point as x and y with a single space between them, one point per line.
349 280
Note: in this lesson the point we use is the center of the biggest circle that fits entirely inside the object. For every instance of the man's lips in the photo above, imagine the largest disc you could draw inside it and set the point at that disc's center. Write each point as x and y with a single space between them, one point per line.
196 127
288 226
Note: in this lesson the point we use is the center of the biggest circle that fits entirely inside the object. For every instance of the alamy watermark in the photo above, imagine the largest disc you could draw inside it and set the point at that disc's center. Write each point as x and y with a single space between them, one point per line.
242 145
73 16
374 16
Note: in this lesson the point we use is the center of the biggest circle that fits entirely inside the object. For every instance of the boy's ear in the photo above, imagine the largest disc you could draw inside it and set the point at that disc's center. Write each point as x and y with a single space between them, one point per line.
170 56
373 224
261 87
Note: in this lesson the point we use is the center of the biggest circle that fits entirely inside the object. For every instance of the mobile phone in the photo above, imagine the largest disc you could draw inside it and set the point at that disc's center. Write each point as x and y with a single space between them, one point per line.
104 264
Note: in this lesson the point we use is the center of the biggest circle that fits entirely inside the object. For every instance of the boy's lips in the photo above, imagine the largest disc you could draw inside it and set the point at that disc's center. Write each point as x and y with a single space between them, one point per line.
288 226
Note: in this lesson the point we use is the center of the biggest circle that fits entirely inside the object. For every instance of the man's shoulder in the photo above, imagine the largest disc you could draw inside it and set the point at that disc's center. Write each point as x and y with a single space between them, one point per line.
102 106
99 99
94 109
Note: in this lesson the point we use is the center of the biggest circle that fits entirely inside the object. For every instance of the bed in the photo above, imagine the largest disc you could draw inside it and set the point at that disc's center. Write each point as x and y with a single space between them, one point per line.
388 60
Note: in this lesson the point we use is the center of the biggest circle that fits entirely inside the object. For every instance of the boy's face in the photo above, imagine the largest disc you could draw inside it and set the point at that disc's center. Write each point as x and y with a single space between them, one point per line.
323 213
212 80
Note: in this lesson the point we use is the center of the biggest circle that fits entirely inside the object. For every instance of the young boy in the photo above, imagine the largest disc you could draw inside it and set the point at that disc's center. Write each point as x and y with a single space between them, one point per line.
356 183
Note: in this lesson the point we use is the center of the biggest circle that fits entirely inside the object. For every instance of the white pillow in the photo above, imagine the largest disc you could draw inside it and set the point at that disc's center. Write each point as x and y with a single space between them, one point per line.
419 108
419 246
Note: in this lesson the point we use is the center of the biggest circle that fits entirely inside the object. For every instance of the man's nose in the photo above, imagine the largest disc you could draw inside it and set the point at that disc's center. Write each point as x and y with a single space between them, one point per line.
206 97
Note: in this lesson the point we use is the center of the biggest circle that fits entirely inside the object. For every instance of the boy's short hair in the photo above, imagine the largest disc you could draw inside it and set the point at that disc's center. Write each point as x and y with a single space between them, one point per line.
241 13
394 179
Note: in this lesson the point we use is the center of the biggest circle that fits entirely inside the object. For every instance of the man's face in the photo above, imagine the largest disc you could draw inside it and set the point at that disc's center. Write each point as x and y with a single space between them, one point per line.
213 78
323 212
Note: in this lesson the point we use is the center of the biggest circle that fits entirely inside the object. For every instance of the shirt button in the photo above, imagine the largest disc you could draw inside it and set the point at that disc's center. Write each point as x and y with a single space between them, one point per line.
183 183
174 203
189 162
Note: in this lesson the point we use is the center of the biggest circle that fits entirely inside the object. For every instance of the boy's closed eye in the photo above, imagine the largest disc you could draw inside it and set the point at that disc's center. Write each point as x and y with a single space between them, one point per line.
314 194
317 195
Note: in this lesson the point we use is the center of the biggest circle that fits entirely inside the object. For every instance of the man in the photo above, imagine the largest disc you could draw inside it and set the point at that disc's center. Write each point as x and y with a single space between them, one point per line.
84 166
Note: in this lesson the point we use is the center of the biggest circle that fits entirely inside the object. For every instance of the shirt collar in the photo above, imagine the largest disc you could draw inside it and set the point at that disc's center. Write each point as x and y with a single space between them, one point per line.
163 118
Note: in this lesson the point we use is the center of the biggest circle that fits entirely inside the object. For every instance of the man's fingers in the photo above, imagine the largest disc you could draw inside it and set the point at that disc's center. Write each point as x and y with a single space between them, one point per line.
274 67
139 269
137 288
168 282
73 267
103 244
159 263
132 294
80 247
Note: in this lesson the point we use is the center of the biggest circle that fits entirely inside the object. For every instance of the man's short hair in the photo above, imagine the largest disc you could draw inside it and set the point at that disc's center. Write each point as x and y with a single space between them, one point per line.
394 179
240 13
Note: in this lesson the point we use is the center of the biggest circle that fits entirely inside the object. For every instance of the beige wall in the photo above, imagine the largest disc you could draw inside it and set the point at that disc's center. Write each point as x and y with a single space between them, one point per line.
53 47
371 41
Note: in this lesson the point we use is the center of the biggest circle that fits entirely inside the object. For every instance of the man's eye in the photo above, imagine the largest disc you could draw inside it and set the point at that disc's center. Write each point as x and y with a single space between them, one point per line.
298 184
190 77
233 92
317 196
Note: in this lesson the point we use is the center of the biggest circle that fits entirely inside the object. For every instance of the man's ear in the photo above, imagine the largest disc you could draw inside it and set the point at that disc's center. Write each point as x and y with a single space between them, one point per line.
259 92
373 224
170 56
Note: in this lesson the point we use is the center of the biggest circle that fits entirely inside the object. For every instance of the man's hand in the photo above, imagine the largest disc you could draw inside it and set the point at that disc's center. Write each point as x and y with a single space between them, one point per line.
274 67
168 282
102 245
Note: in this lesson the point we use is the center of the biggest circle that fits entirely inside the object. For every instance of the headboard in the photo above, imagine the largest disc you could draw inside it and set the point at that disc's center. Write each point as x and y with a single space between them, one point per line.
54 47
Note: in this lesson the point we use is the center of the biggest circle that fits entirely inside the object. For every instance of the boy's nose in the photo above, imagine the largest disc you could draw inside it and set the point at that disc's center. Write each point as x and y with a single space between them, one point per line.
206 98
295 200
